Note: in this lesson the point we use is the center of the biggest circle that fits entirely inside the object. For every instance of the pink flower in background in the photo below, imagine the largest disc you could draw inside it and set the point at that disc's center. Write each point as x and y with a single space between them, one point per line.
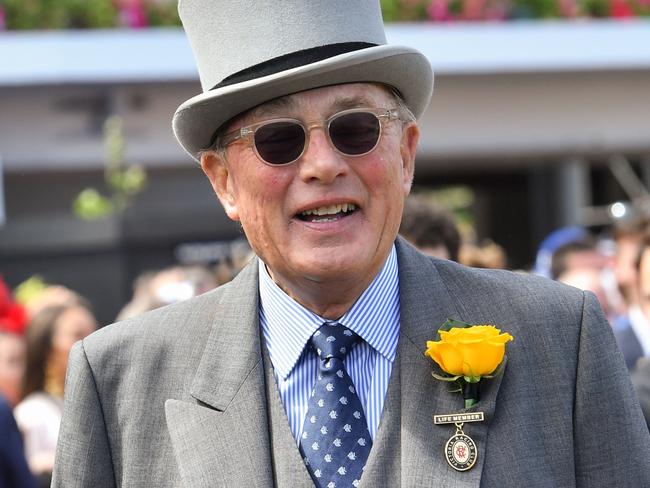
620 9
133 14
569 8
3 24
438 10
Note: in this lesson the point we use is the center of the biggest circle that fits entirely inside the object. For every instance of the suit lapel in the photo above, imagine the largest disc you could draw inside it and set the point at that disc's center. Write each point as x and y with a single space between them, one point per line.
220 437
425 305
288 466
383 466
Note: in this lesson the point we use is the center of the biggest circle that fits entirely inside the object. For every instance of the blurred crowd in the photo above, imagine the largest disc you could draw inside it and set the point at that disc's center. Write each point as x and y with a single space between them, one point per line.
38 329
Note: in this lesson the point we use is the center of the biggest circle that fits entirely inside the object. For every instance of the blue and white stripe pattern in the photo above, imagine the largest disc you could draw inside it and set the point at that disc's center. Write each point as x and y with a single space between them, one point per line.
287 327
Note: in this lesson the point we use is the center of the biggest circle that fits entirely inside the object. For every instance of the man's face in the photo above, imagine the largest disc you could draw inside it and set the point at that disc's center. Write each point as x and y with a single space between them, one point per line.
271 201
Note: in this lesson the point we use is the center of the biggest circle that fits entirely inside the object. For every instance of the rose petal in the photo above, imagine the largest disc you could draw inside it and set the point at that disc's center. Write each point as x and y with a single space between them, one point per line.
448 358
481 359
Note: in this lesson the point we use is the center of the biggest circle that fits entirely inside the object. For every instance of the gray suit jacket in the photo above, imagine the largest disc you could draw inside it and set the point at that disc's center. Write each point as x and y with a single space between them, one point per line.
185 396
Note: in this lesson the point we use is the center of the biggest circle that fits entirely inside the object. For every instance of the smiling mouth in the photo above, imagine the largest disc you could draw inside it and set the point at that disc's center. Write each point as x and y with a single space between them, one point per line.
329 213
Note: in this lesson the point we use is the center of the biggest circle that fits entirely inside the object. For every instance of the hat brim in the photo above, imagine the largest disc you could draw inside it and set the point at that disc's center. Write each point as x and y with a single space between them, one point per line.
404 68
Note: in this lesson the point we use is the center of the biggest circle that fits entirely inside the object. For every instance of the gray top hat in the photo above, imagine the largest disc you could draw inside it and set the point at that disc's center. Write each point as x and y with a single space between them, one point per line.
251 51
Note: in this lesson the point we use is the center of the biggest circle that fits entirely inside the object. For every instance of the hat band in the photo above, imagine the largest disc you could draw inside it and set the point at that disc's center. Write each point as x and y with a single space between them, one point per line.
292 60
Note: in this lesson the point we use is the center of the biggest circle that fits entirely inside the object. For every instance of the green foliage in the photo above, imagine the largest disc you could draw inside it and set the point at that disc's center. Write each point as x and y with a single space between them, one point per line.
59 14
596 8
404 10
123 181
91 205
538 9
162 13
30 289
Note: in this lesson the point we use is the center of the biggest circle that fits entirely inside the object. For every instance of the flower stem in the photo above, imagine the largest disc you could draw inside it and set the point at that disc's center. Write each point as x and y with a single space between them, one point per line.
470 393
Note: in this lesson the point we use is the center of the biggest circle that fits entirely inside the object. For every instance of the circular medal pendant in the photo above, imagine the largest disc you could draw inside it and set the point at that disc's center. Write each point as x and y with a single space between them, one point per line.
461 452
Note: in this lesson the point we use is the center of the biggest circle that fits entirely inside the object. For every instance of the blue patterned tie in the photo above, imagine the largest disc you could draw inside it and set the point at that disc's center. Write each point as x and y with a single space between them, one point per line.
335 441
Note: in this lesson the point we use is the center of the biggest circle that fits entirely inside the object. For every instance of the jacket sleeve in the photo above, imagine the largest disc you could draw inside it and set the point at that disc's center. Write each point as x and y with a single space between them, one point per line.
83 457
611 440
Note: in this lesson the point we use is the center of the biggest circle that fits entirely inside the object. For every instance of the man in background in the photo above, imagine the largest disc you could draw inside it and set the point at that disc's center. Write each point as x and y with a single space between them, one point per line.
430 227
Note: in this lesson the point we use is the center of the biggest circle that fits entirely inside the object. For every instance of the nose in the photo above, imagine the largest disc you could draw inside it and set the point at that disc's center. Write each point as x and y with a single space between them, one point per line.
320 162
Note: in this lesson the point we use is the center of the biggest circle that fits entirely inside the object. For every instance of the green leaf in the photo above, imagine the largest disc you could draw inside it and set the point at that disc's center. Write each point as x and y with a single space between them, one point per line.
451 323
445 378
90 205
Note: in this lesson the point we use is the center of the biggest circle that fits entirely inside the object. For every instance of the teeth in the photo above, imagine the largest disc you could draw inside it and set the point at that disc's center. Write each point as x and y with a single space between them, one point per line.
331 209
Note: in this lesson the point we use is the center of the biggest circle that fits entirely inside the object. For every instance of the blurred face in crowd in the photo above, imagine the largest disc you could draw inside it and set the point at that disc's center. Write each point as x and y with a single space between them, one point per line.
72 325
588 279
627 250
326 218
12 366
586 259
644 281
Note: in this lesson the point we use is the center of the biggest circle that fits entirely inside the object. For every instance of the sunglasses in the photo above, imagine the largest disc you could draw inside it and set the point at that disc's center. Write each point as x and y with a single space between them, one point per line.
277 142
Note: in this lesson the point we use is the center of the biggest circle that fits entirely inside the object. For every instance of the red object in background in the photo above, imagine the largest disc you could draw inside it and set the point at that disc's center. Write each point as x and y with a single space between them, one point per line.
620 9
13 316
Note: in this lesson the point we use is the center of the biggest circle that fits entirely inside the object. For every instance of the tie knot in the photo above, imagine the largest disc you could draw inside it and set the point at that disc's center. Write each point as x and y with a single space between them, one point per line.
333 341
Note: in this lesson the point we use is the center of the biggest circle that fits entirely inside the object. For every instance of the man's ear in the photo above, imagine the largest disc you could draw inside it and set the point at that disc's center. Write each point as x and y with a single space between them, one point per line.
408 148
216 169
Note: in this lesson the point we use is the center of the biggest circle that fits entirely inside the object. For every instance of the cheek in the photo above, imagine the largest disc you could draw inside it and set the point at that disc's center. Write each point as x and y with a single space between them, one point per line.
259 192
383 178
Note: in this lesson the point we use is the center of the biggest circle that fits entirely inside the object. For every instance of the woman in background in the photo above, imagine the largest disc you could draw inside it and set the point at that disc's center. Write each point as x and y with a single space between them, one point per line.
50 336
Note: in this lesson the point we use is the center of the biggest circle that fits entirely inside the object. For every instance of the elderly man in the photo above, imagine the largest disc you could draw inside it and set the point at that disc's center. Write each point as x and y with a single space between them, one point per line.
308 369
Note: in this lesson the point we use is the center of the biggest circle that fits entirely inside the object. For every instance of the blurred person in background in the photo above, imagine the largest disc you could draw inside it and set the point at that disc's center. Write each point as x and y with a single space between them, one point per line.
638 336
579 254
628 236
51 296
153 290
50 336
590 279
14 472
632 332
431 228
12 365
551 243
487 255
584 264
13 318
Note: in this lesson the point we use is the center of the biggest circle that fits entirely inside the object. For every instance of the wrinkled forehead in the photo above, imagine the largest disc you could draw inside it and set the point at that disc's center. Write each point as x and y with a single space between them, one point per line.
318 102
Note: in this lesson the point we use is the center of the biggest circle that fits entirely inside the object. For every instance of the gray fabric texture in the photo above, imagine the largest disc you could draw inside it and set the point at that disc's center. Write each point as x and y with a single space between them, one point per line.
178 396
641 382
288 467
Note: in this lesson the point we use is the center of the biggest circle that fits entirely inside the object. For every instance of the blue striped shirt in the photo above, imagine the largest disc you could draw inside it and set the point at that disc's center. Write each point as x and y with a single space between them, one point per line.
287 327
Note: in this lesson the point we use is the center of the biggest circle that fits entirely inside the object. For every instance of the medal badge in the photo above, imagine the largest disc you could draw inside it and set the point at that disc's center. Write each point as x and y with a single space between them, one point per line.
460 450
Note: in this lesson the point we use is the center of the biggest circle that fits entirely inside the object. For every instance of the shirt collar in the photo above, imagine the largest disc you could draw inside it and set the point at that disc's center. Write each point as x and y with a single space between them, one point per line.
287 326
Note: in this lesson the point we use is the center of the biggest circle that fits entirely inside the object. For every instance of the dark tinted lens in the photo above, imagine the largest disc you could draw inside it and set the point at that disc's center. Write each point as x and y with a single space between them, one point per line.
355 133
280 142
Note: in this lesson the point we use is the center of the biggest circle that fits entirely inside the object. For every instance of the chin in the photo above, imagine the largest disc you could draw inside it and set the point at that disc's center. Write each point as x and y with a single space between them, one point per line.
337 267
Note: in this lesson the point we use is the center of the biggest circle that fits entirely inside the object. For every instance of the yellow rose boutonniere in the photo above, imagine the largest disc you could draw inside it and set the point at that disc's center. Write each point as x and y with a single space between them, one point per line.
468 353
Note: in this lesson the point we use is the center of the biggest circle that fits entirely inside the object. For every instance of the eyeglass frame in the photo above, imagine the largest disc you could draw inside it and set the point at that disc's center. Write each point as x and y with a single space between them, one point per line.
247 133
